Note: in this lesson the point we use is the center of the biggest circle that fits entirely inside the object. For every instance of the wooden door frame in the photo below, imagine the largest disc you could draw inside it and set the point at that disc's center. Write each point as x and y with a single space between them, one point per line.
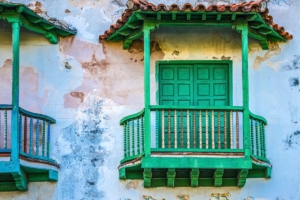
193 62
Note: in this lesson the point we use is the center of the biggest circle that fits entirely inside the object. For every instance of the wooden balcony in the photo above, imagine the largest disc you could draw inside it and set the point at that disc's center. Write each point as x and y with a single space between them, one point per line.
33 163
194 146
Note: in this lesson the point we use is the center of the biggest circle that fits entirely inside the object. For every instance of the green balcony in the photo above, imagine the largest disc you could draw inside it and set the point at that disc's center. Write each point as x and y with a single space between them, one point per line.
192 146
31 161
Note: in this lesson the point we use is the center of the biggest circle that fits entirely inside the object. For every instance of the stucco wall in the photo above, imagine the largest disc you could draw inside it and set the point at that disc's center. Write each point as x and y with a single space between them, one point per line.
105 83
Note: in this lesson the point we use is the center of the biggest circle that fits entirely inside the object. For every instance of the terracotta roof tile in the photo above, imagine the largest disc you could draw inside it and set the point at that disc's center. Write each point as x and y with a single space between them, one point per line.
252 6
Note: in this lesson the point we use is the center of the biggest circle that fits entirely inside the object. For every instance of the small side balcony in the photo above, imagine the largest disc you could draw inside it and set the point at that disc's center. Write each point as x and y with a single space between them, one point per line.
190 146
30 161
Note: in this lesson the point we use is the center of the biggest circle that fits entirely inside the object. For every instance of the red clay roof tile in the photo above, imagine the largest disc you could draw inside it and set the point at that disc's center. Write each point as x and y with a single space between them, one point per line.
253 6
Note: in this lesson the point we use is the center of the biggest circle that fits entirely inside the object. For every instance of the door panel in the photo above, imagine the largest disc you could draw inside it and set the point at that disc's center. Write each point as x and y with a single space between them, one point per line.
195 84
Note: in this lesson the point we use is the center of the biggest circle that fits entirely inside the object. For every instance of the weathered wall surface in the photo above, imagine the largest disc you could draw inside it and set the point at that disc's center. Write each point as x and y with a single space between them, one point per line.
88 87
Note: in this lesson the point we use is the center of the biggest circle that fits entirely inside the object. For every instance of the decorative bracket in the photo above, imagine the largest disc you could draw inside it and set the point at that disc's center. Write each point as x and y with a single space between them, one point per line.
218 177
171 177
147 177
195 177
242 177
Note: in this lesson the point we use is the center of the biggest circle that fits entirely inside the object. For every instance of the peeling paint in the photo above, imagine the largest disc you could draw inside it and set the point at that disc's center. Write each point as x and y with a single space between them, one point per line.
274 49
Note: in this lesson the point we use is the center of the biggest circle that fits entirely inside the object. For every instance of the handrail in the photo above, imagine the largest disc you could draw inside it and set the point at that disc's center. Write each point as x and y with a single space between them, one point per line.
167 107
5 106
39 116
130 117
258 118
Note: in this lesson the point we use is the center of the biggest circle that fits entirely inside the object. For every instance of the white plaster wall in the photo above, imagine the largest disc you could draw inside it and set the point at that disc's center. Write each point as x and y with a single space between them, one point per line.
105 84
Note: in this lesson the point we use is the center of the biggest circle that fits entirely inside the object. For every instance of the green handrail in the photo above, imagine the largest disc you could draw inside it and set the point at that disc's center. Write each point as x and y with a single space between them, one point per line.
259 118
167 107
5 107
131 117
37 116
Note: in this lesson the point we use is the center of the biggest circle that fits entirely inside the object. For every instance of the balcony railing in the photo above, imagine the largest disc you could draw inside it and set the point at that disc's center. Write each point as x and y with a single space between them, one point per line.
192 128
34 134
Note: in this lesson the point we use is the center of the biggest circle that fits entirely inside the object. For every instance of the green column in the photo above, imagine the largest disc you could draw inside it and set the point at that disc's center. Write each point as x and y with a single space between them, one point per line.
147 89
15 91
244 32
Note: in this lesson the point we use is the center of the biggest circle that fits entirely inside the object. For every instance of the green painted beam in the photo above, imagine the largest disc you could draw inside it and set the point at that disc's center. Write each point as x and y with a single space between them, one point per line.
171 177
147 177
196 162
195 177
218 177
15 90
242 177
20 180
147 52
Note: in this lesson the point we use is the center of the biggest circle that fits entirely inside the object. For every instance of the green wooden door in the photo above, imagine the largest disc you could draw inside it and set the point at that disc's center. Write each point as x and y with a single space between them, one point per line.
194 84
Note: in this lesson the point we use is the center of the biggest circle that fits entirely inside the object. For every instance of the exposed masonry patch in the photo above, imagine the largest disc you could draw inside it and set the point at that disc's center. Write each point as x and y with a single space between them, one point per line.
292 140
293 81
274 49
182 197
82 152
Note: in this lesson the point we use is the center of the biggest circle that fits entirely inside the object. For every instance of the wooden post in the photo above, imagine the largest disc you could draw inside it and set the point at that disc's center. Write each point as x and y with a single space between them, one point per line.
147 89
15 90
243 27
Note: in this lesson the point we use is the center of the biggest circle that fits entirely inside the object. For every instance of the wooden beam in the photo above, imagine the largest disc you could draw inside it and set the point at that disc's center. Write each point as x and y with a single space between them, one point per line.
268 172
264 31
204 16
242 177
46 26
140 16
15 91
126 32
256 25
19 9
122 173
158 16
188 16
251 17
147 177
53 175
261 38
233 16
133 36
173 16
194 177
20 179
134 25
33 19
218 177
171 177
219 17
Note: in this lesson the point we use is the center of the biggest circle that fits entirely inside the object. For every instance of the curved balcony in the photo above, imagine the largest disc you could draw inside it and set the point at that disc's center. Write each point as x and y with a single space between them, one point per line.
34 163
194 146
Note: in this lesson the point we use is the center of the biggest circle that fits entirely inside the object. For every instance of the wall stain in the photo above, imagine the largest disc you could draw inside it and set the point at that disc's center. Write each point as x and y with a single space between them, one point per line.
274 49
292 140
132 184
182 197
137 46
80 167
175 52
293 81
225 58
293 65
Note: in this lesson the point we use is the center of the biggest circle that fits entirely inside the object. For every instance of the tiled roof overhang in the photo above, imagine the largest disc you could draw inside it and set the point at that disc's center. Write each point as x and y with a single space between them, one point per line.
261 26
51 28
